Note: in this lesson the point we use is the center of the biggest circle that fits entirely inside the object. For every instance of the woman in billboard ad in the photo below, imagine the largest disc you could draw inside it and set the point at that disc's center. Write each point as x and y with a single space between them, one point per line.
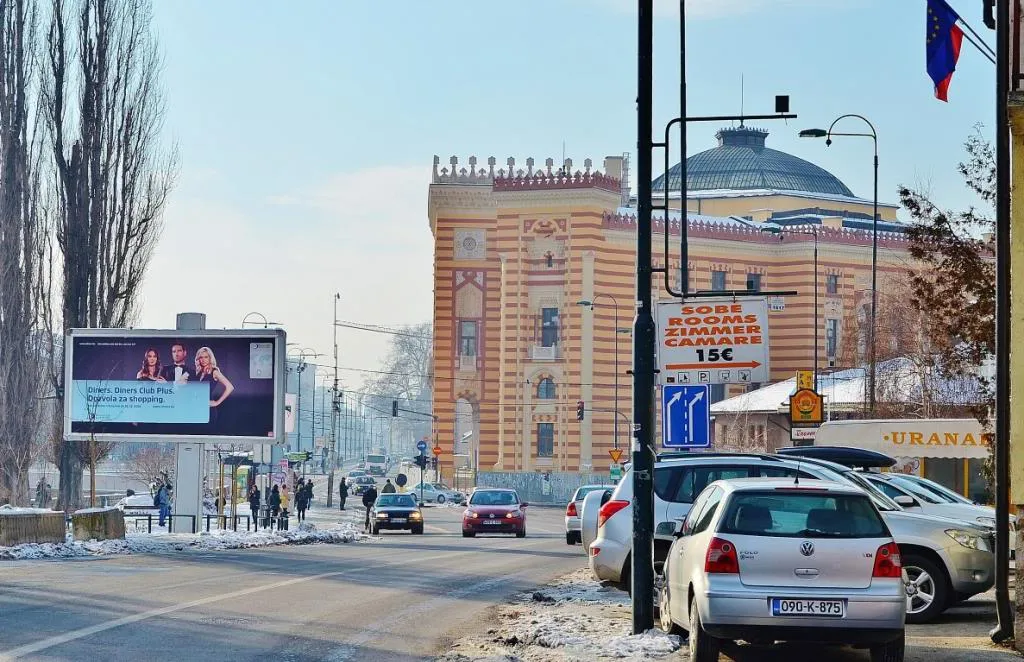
220 386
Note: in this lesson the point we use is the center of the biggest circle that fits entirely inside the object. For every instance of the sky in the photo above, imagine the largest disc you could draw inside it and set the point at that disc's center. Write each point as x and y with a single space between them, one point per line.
307 130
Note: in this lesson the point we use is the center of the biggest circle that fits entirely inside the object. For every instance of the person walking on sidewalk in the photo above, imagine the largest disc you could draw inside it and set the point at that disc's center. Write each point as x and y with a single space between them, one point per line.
274 501
309 493
254 504
342 492
369 498
388 487
285 503
163 501
301 502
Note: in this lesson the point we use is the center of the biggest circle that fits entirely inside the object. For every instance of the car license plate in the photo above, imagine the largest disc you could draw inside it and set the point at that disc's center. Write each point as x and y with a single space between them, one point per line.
398 520
492 521
804 607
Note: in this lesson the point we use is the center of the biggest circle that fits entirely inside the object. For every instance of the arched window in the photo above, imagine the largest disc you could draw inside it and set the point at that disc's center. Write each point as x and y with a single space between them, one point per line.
546 389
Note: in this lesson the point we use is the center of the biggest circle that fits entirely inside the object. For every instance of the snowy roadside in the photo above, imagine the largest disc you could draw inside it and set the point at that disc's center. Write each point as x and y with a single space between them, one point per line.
162 543
573 619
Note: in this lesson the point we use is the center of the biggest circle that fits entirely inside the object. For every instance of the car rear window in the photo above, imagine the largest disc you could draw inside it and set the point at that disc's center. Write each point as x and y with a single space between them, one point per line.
801 514
682 484
584 491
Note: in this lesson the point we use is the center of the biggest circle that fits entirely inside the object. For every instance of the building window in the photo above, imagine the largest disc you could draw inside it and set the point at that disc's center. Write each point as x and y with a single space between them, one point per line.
717 280
832 284
754 282
717 393
549 327
545 440
546 389
467 338
831 337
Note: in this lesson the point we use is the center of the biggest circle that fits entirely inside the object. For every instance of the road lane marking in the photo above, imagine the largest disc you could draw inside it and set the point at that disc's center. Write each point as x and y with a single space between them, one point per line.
81 633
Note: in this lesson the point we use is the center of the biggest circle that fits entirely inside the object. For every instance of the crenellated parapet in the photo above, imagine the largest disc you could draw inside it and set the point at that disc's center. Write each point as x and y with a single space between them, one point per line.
529 178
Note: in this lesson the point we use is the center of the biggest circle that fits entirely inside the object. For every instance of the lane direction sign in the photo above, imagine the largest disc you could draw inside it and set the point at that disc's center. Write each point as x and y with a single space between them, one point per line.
686 416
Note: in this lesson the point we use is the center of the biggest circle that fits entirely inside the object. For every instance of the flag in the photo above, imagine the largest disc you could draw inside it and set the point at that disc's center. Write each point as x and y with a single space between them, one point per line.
943 39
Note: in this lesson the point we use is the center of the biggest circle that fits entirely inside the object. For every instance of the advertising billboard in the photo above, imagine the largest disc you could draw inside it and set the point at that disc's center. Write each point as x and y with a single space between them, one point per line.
137 385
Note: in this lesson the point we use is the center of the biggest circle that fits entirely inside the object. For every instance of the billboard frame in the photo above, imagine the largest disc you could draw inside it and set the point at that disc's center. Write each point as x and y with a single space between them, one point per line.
280 377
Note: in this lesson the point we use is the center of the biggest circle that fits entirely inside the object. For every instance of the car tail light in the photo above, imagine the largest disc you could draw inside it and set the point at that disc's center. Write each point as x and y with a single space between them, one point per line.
887 562
721 558
571 510
609 509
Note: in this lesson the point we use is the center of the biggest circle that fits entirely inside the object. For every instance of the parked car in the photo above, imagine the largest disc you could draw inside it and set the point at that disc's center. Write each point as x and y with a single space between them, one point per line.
945 560
573 529
493 510
916 498
436 493
396 511
768 559
589 509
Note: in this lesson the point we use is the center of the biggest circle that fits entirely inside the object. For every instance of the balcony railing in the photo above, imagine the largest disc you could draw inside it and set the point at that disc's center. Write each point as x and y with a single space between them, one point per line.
467 363
541 353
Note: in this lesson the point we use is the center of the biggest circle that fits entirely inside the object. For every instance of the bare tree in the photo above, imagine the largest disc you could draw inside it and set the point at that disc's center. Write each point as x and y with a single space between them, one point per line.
22 234
152 464
406 376
112 174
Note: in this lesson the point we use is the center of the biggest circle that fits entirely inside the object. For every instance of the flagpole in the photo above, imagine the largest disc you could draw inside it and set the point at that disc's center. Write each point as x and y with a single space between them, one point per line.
982 47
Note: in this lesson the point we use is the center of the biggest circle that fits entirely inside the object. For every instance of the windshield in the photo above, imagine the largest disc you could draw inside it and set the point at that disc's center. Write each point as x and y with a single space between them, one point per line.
881 499
941 490
787 514
494 499
375 459
396 501
920 491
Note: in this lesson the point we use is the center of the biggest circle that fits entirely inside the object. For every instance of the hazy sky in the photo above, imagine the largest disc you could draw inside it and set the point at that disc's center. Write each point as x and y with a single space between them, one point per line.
307 128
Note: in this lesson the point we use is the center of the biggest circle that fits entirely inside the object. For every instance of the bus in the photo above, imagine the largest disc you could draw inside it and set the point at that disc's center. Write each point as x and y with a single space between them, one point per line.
376 464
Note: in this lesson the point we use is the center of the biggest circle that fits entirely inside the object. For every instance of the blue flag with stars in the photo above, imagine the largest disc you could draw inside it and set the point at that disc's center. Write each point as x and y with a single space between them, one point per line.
943 40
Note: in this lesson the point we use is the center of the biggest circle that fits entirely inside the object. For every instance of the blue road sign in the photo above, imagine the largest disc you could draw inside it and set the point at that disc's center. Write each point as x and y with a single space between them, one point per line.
421 445
686 416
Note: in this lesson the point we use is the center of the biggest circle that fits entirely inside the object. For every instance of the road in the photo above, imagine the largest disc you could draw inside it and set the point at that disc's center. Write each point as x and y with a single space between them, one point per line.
401 597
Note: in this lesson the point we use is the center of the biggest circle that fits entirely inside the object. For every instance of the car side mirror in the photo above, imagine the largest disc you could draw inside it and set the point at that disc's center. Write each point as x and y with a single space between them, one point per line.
906 501
666 529
523 505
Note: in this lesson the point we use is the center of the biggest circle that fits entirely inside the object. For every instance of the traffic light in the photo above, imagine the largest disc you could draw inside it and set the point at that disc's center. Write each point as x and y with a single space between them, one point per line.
309 455
394 408
421 461
433 462
579 410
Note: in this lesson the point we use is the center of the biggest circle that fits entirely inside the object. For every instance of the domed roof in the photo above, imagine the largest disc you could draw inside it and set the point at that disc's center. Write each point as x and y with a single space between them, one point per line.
741 161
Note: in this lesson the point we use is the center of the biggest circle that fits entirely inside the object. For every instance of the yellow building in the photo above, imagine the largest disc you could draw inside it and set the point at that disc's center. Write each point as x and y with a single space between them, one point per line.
518 249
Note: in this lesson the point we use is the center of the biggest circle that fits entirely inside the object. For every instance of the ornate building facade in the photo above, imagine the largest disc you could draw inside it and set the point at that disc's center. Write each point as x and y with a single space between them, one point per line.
534 273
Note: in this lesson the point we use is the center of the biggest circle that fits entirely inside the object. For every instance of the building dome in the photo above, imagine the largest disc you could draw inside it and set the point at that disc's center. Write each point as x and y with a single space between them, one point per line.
741 161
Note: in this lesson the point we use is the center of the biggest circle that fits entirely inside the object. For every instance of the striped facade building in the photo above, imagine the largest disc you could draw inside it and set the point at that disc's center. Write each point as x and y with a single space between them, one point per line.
534 271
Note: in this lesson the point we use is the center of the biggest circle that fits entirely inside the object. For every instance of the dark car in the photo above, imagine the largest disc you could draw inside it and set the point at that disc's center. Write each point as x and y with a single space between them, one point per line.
494 511
396 511
360 484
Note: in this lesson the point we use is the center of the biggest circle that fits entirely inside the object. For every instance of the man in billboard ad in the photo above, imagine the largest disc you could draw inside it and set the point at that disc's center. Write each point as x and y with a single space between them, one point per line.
212 384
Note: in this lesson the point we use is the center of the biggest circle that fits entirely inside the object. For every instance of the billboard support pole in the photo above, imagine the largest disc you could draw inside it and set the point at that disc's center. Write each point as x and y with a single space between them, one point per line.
187 494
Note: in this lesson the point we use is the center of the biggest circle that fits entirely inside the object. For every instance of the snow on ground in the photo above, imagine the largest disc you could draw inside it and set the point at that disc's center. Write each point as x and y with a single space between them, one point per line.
573 619
160 542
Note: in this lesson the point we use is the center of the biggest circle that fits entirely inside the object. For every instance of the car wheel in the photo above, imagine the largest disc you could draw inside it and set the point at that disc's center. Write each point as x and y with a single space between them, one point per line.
521 534
375 529
703 647
417 531
891 651
926 587
665 621
468 534
570 539
440 498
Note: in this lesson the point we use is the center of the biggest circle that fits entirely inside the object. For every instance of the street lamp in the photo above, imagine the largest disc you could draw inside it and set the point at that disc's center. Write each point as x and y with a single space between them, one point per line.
615 407
266 322
817 328
820 133
299 369
335 407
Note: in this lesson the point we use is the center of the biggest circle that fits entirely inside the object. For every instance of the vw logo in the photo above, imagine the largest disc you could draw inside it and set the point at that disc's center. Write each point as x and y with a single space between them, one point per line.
491 515
807 548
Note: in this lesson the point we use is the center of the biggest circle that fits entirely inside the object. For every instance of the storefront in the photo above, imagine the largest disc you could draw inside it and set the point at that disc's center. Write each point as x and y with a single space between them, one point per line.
949 451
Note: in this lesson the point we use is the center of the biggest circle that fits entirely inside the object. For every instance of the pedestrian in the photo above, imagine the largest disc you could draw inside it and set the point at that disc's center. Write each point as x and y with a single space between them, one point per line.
274 501
388 487
342 493
254 504
301 502
309 493
285 502
163 501
369 498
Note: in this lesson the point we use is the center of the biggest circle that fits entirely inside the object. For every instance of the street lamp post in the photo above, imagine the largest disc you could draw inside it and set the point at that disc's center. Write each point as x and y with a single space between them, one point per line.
615 408
819 133
300 367
335 408
266 322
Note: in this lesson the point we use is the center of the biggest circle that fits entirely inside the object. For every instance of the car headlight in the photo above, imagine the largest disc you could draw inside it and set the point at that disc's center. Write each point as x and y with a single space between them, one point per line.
969 540
470 514
987 521
382 515
513 514
415 516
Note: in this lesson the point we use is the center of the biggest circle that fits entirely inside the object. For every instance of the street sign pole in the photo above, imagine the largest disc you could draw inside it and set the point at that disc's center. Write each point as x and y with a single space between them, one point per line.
644 333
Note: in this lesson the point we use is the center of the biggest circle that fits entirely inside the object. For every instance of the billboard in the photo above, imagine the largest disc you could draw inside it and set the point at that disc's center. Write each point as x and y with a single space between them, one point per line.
137 385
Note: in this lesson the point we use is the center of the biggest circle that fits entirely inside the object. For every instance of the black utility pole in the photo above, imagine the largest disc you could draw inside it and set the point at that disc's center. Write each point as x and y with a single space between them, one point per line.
643 339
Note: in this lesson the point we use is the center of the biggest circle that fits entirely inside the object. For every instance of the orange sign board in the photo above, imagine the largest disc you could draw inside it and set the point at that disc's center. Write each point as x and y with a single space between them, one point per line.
616 454
806 408
437 450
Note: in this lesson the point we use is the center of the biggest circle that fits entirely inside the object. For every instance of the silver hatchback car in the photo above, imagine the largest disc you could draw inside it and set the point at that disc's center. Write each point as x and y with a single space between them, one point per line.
765 560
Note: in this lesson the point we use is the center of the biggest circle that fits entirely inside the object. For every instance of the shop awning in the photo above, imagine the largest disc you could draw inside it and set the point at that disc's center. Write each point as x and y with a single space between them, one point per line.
941 438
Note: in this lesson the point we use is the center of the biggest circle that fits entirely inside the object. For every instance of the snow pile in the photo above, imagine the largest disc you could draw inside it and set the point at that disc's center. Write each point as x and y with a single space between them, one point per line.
574 618
8 509
160 543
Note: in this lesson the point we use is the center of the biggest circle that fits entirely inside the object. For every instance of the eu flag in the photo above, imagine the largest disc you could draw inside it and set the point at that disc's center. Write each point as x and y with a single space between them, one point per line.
943 41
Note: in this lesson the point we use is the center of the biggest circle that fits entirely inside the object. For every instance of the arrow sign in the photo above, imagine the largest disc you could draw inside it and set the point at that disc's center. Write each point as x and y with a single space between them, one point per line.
709 366
686 416
421 445
616 454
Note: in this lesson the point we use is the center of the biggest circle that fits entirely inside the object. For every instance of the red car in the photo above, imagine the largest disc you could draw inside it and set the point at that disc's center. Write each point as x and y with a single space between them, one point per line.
494 510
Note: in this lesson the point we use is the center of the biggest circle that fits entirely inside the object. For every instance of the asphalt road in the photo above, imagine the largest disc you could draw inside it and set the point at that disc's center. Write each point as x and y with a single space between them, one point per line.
402 597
